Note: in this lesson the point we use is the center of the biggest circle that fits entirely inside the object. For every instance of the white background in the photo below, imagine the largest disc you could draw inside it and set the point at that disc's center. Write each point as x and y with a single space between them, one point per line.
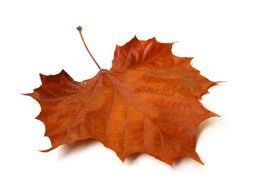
40 37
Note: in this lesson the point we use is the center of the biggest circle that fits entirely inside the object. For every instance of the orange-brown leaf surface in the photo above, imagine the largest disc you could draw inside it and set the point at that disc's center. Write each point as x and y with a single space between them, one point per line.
148 102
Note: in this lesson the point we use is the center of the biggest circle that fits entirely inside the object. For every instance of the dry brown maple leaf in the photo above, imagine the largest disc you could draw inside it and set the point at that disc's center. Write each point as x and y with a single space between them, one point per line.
148 102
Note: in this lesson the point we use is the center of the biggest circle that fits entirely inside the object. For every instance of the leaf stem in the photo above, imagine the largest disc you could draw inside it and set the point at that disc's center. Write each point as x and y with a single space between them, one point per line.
79 28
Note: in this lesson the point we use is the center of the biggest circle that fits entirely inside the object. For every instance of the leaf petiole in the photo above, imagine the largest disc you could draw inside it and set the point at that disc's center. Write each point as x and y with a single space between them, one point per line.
79 28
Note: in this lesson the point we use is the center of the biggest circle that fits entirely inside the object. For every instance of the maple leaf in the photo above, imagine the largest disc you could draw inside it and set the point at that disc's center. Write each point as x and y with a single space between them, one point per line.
148 102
